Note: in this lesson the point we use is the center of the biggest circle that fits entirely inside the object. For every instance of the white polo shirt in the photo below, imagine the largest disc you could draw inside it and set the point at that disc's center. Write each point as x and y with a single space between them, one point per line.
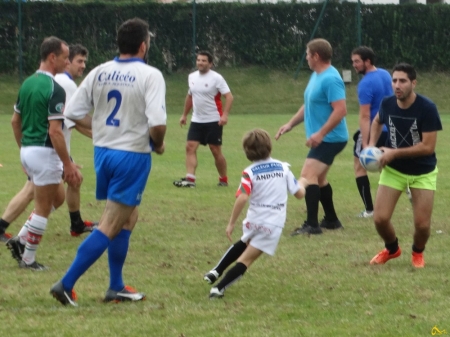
69 86
206 90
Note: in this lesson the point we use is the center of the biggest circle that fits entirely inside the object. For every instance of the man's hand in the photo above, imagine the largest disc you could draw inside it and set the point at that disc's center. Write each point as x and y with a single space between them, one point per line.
182 120
72 174
387 157
223 120
160 149
315 140
281 131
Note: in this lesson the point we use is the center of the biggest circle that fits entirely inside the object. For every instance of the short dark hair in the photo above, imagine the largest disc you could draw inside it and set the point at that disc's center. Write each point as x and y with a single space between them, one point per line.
77 49
131 34
366 53
322 47
50 45
257 145
207 54
406 68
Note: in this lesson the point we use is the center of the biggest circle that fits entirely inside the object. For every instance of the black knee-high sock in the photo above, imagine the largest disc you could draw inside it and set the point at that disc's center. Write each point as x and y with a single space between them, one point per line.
312 198
417 250
75 218
233 275
231 255
363 184
392 247
326 199
3 226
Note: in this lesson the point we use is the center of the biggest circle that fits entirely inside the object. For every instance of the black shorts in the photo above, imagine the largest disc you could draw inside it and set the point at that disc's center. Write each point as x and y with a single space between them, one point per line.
326 152
205 133
358 142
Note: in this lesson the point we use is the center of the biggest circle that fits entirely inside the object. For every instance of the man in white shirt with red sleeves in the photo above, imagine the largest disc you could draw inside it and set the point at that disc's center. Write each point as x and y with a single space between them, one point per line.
208 118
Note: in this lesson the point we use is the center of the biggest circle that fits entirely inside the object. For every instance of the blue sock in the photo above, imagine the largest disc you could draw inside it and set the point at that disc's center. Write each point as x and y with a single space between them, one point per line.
117 253
88 252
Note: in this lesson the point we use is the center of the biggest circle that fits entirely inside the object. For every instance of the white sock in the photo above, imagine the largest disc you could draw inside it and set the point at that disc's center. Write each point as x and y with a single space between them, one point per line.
24 231
36 229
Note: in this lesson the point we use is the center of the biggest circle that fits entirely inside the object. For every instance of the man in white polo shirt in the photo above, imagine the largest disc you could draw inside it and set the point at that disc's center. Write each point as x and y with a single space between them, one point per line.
208 118
77 56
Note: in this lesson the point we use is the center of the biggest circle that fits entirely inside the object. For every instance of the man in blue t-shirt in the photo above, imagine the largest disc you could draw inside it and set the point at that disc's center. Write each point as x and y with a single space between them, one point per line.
409 160
373 87
323 114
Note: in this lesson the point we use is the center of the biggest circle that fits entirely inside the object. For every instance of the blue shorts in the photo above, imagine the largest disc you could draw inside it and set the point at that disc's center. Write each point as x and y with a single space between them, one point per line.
121 175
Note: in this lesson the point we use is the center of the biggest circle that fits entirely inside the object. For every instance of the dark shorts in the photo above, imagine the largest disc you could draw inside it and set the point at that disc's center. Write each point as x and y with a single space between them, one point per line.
326 152
358 142
205 133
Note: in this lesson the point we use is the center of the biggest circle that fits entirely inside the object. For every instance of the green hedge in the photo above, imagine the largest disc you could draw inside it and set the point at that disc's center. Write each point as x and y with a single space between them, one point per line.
273 35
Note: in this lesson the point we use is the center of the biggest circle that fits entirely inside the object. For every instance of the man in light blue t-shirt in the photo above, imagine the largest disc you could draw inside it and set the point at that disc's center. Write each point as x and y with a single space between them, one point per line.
323 113
373 87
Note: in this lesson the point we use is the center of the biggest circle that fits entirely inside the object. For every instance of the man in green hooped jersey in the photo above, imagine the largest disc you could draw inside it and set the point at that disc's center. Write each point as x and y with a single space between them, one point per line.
37 125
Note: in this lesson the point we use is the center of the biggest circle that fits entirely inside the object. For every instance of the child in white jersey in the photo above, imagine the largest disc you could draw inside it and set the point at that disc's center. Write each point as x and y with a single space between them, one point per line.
265 184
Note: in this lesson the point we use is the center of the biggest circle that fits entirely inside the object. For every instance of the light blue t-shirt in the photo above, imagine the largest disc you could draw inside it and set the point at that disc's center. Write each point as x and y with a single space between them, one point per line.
373 87
322 90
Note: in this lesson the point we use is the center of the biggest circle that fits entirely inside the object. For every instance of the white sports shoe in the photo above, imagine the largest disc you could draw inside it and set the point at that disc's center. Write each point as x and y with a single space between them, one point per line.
365 214
211 276
183 182
216 293
126 294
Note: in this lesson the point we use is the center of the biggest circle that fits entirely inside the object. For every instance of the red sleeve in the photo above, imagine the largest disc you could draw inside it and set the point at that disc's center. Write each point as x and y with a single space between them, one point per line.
245 186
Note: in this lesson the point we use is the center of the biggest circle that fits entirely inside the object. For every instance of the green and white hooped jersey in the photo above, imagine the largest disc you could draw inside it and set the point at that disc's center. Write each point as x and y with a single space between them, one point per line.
40 100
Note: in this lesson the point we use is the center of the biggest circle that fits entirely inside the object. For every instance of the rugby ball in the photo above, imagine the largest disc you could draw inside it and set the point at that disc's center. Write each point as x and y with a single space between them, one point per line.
370 158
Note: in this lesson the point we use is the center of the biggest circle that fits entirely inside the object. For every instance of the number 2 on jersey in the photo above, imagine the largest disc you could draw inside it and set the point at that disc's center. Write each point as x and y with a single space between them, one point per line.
118 96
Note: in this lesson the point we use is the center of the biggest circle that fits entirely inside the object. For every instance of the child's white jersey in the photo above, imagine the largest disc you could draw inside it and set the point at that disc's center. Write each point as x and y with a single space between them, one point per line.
206 90
129 98
267 182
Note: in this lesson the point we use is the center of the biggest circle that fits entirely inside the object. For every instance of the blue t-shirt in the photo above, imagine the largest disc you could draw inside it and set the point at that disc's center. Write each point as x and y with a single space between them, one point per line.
322 90
373 87
405 127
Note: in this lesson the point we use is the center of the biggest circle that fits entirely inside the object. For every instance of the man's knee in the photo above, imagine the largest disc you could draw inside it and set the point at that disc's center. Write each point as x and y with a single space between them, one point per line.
73 189
422 225
380 219
216 150
191 148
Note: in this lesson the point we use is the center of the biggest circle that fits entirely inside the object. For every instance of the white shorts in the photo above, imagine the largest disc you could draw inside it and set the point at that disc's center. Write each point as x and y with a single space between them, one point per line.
42 165
262 237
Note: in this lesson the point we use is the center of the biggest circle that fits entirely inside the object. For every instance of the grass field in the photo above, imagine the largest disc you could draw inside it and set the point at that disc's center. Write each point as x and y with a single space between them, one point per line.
314 286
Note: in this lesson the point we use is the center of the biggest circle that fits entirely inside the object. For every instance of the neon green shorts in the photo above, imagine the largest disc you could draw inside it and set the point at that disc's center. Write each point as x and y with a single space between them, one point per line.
399 181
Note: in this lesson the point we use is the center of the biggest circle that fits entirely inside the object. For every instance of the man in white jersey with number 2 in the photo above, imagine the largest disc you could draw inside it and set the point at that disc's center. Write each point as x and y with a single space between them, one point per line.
129 122
208 118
